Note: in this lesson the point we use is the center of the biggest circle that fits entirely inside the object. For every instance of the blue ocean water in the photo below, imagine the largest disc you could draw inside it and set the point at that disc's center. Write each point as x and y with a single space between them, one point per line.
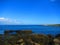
35 28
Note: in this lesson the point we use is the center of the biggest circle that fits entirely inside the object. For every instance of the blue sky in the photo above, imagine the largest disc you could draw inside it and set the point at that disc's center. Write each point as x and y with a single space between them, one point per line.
29 12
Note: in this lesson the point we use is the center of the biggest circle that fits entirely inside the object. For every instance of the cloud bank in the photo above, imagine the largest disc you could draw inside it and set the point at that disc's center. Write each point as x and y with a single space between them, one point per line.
9 21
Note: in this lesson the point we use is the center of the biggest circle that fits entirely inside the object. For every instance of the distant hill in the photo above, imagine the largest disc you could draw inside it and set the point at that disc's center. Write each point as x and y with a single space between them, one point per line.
54 25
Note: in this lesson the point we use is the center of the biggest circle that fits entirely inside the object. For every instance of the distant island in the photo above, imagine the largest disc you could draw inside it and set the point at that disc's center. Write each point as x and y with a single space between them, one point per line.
53 25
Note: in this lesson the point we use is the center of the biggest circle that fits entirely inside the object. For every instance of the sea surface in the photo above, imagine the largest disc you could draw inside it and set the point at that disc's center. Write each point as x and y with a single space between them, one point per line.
35 28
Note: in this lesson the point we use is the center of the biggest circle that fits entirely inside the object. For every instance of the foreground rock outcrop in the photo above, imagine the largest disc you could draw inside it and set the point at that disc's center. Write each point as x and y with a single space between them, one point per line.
27 37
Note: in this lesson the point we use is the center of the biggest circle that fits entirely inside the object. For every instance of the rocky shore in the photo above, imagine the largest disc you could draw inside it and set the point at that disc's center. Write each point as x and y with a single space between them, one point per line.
27 37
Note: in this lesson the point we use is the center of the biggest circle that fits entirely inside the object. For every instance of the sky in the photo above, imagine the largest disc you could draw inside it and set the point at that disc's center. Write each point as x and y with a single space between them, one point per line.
24 12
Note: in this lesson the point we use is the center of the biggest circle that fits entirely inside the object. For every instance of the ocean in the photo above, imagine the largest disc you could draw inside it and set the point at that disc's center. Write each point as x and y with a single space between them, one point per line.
35 28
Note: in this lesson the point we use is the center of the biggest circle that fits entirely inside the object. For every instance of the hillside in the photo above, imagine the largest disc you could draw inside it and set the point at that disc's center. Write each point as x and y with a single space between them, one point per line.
54 25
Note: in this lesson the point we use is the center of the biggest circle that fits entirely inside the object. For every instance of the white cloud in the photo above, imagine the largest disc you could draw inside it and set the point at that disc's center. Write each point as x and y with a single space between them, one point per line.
9 21
3 19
